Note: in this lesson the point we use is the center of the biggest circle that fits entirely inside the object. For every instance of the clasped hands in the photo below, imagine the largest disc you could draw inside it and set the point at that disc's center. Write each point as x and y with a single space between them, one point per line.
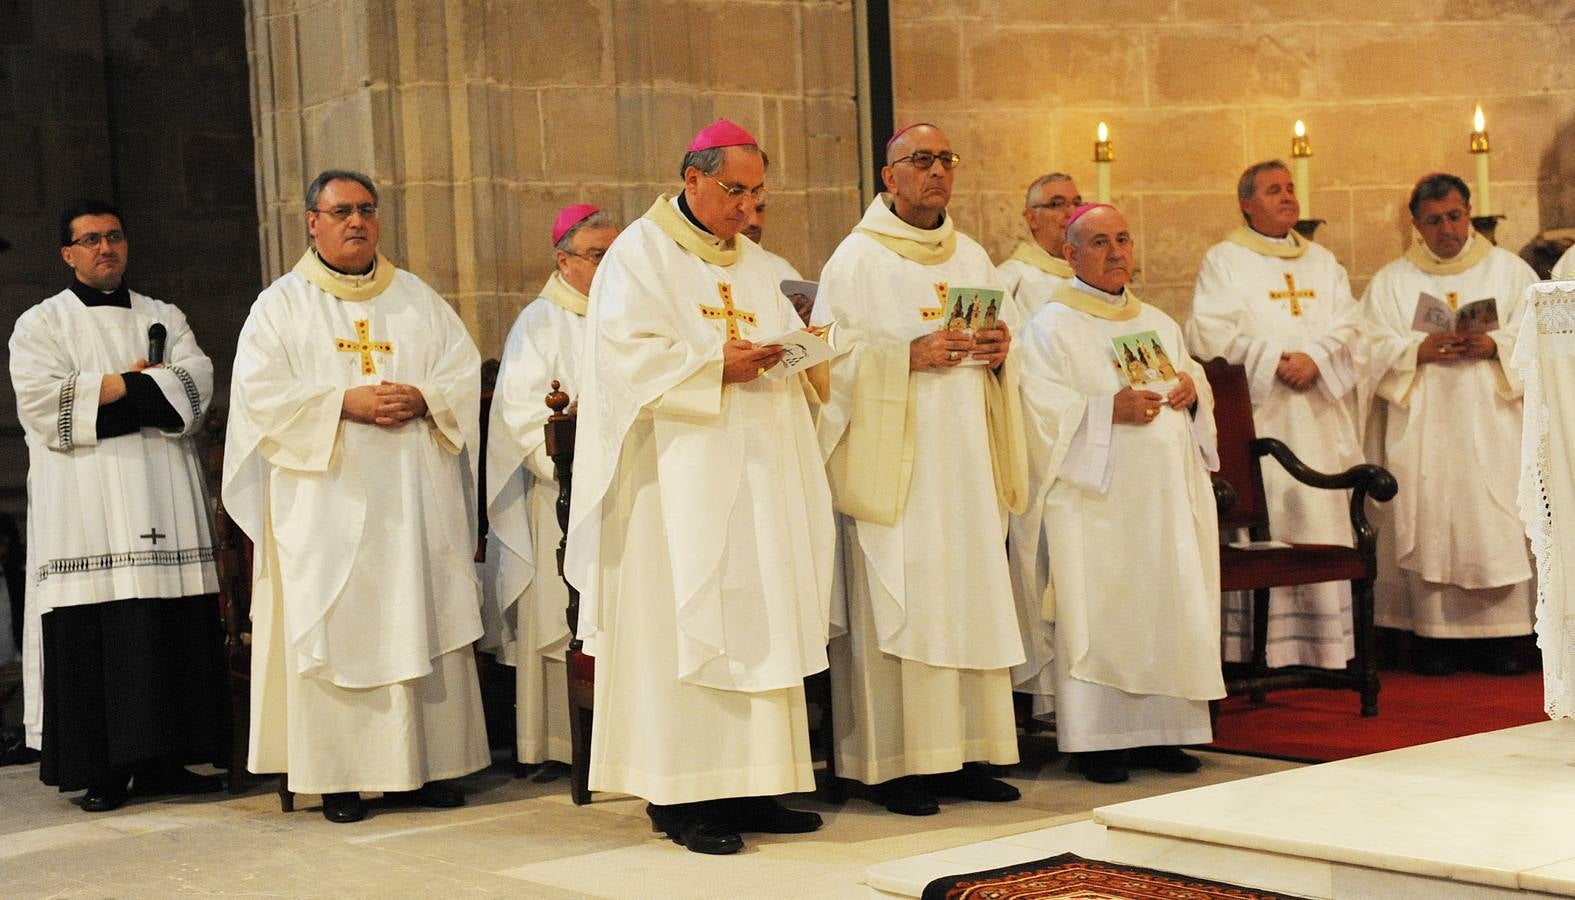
387 404
945 349
1450 345
1134 407
1296 371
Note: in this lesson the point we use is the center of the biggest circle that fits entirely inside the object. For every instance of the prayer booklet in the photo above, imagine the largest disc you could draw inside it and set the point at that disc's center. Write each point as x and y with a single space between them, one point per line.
1433 316
1141 361
802 348
972 309
791 286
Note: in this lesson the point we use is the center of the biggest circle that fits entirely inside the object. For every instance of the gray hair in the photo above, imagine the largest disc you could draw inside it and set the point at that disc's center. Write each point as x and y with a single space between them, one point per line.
599 219
1247 185
709 162
1437 186
327 175
1034 189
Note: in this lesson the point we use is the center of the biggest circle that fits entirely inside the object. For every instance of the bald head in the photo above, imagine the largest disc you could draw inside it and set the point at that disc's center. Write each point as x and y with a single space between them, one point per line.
919 192
1099 248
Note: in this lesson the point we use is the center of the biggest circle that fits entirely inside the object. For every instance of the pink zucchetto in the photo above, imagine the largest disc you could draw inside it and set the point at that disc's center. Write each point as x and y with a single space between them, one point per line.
1084 210
721 133
570 216
904 130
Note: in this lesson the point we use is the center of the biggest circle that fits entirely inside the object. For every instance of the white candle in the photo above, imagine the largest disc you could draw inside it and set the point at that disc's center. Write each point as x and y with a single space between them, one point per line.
1301 156
1479 148
1103 155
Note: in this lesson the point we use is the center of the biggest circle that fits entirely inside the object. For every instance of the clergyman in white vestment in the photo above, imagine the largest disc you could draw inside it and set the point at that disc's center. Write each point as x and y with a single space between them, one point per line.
1451 406
924 438
123 648
700 536
1119 544
1037 267
756 231
354 415
1280 305
525 598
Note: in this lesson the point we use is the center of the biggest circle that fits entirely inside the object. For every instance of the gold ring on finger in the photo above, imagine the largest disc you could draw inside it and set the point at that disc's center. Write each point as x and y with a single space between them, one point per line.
1153 412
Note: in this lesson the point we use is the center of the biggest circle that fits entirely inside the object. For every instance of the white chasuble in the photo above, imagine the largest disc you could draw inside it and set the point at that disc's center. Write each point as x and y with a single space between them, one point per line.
1464 567
1033 275
701 534
1565 267
925 466
365 595
525 597
1255 299
1545 360
1119 544
127 517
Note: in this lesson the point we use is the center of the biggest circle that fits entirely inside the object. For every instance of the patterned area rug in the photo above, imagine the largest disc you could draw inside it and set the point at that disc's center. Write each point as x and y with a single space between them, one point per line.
1071 877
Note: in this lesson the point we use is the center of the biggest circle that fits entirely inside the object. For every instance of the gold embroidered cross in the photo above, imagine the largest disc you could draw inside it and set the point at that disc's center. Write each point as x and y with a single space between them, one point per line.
727 311
931 313
364 345
1454 299
1292 294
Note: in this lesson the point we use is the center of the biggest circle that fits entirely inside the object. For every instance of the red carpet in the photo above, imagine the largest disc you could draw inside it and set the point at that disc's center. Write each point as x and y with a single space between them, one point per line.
1412 709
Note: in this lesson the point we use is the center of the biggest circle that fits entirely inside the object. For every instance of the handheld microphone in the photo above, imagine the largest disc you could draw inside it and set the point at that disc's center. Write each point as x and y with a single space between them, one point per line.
156 335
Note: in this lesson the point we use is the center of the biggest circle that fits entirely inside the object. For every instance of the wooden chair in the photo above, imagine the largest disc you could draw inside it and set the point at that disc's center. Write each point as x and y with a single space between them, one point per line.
581 667
1239 492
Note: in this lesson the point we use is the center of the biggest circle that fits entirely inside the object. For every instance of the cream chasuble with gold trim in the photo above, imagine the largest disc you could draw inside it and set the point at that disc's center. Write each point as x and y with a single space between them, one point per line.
1033 275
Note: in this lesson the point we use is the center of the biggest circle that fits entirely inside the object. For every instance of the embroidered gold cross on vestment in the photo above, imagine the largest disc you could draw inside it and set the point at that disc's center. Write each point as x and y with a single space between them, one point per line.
364 345
727 312
1292 294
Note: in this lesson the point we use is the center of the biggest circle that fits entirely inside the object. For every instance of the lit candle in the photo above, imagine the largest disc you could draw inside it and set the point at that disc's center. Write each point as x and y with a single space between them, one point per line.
1479 149
1301 153
1104 154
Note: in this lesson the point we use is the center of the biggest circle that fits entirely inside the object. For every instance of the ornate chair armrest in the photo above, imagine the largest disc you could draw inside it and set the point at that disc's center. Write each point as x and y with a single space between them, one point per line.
1363 480
1224 494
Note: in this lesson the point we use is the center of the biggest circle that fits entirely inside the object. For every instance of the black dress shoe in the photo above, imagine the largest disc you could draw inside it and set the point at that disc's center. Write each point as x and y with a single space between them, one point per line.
1100 766
906 796
766 815
1434 657
175 780
105 797
697 827
972 784
344 807
433 794
1165 759
1499 657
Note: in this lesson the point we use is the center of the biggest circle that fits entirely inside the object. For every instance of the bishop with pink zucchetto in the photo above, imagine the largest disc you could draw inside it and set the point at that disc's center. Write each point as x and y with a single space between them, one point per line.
701 534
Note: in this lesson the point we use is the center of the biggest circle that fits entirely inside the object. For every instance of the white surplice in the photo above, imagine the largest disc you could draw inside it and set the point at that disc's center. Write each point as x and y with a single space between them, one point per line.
1250 307
1565 267
365 596
700 534
525 597
114 519
1464 569
1119 545
921 682
1545 360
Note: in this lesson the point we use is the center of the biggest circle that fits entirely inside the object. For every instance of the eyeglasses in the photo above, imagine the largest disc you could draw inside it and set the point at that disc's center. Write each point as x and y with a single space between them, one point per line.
1058 203
739 192
343 211
592 256
90 240
923 159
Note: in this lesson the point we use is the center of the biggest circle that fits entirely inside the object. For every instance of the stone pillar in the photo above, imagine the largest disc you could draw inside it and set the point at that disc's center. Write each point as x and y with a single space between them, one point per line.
480 118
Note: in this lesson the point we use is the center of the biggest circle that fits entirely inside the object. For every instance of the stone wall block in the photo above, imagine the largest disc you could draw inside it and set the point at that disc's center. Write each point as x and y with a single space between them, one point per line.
787 141
1001 213
427 222
1481 59
831 141
1156 149
421 36
1178 229
787 228
424 132
591 113
1380 228
827 47
738 52
926 63
1037 67
319 36
1233 65
1299 11
922 11
831 215
1373 144
1006 150
1549 11
569 35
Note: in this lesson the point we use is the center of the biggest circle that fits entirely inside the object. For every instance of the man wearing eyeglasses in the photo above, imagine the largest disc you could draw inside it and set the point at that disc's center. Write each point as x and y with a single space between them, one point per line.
524 612
928 461
1037 267
701 533
123 649
350 461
